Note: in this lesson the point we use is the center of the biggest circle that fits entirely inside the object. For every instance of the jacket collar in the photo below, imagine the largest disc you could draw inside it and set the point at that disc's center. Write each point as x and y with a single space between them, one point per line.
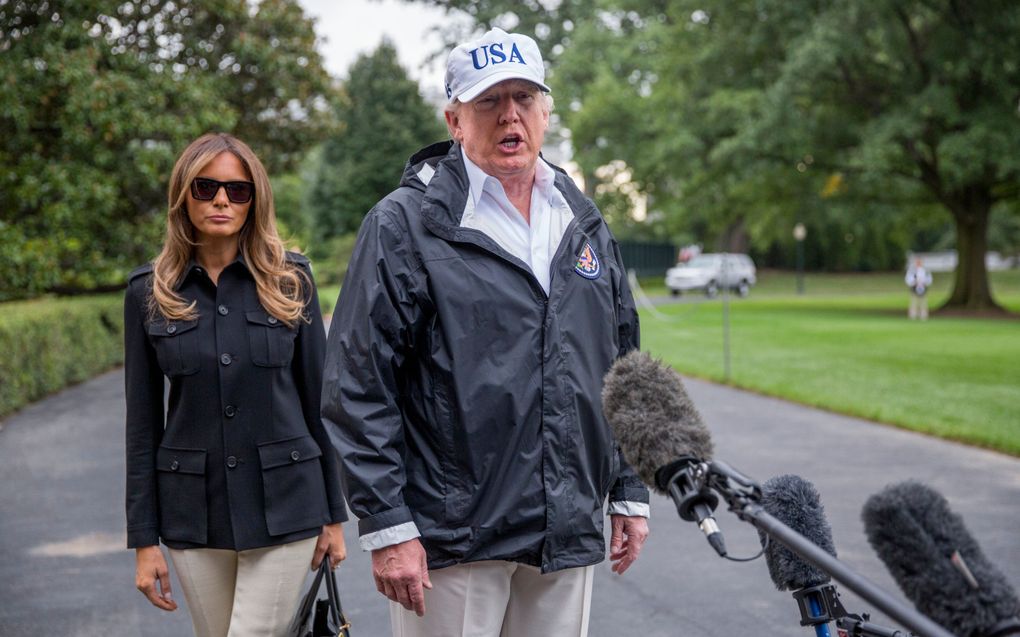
479 181
439 171
194 268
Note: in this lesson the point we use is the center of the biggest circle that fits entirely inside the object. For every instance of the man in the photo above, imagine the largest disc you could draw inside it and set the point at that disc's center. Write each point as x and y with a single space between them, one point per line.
484 302
918 279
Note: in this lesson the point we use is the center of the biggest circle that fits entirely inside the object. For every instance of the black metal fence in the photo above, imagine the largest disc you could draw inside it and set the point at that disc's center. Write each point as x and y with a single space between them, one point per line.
648 259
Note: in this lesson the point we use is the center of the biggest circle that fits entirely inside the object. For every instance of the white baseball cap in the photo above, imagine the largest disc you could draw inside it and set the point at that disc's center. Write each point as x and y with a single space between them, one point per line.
495 57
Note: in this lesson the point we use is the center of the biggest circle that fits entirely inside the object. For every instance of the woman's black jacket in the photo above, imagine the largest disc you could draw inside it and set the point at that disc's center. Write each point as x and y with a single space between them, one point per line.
237 456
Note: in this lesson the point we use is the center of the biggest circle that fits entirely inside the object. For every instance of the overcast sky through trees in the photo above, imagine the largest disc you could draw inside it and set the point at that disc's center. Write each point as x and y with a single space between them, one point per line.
353 27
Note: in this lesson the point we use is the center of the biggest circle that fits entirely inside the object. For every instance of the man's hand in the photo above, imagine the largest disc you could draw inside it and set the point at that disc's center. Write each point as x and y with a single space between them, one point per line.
150 567
400 572
629 535
331 542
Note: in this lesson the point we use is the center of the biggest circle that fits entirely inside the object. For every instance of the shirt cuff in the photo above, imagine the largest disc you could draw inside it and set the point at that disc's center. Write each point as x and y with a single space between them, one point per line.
630 509
389 536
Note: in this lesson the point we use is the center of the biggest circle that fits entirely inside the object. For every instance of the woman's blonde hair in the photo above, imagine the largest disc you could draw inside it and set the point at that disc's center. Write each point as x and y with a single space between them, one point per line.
280 285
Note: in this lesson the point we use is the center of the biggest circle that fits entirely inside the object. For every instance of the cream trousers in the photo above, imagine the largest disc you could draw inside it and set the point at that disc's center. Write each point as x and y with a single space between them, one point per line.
918 307
500 599
243 593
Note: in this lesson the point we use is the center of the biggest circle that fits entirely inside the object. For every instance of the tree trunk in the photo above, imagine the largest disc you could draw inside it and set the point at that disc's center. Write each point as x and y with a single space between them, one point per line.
970 286
589 182
735 237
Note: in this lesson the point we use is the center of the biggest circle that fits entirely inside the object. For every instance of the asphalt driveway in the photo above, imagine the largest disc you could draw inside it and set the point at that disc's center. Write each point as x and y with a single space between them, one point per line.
64 568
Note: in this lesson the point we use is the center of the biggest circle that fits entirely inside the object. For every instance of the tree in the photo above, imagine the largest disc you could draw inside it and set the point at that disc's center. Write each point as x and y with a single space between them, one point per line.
748 116
98 98
917 96
384 120
263 55
670 94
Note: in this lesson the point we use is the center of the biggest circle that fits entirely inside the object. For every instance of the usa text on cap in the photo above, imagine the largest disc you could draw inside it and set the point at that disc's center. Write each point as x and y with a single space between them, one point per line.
495 57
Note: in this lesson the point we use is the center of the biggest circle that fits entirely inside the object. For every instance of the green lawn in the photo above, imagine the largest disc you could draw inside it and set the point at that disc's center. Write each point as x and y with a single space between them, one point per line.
847 346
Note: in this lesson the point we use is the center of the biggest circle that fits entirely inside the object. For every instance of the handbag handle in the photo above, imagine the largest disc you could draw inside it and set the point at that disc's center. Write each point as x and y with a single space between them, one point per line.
333 594
304 611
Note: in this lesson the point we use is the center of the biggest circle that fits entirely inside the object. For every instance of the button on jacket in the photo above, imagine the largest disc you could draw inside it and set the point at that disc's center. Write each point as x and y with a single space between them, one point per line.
237 458
464 400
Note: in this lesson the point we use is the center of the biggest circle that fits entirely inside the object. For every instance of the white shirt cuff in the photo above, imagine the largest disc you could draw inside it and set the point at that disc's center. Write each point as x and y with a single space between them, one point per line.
631 509
389 536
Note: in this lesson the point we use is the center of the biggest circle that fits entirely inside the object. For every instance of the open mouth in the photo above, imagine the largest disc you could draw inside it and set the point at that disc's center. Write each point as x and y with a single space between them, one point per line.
510 142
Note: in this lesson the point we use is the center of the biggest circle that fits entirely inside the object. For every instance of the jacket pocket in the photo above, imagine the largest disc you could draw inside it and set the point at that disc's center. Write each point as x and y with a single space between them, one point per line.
176 345
456 495
293 485
270 340
180 474
610 476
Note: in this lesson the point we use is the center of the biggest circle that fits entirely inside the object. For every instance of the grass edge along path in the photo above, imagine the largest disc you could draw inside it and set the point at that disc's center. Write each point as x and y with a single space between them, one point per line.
954 378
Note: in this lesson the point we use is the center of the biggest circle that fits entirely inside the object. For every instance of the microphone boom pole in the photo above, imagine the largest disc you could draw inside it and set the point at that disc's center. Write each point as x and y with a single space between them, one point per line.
743 494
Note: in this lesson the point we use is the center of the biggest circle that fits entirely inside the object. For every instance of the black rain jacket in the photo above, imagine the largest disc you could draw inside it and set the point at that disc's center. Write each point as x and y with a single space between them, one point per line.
463 398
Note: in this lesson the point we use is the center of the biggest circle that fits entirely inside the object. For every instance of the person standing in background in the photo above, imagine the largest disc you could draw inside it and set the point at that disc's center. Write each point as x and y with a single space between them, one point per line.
918 279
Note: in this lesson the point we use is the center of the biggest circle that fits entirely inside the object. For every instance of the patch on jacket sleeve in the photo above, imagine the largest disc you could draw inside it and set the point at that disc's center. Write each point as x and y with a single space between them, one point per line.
588 264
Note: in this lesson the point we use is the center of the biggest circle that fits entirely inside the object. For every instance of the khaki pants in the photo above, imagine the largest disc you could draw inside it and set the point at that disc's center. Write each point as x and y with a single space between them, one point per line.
500 599
918 307
243 593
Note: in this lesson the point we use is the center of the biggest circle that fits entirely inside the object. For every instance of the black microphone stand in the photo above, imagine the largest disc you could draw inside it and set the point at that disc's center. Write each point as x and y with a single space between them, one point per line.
744 498
826 608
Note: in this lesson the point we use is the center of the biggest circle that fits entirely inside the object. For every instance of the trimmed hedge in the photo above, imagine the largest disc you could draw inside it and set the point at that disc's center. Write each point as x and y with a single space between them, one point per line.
48 344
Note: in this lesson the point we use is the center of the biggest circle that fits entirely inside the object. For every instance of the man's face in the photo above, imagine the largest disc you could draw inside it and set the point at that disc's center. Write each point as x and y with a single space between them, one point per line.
502 129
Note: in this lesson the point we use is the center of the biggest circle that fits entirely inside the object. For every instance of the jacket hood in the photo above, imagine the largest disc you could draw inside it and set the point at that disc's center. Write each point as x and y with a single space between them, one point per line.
422 165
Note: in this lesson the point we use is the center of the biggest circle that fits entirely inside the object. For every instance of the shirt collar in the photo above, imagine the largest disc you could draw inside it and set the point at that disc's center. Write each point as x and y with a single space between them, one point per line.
545 177
194 267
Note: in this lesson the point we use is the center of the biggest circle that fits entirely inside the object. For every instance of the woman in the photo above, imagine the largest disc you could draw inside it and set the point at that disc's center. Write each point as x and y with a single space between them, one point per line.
239 479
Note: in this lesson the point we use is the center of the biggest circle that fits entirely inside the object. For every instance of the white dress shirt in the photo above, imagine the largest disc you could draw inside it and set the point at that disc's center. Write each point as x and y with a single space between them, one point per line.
489 210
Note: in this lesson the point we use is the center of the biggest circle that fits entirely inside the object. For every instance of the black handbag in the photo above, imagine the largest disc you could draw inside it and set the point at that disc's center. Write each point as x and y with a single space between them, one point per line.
328 619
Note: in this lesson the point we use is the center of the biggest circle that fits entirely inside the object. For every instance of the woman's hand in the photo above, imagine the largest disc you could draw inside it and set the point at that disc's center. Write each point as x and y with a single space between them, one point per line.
331 541
150 567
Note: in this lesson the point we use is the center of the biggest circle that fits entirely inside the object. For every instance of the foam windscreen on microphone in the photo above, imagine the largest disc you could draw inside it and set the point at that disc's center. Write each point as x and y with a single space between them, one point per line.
794 501
915 534
652 416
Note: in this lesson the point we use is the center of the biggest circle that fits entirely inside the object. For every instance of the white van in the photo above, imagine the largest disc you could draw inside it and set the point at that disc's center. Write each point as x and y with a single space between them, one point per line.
711 272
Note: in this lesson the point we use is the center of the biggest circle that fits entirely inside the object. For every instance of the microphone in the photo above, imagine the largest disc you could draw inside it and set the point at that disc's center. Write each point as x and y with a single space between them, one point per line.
662 435
937 563
794 501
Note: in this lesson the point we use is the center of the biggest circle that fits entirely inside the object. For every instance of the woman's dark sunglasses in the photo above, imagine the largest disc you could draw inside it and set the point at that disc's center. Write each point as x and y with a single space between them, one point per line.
204 189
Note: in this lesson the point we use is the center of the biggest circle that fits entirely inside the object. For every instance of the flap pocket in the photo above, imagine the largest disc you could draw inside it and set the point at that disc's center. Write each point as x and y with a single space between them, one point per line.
183 510
293 484
176 344
270 345
189 461
171 328
284 452
261 317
